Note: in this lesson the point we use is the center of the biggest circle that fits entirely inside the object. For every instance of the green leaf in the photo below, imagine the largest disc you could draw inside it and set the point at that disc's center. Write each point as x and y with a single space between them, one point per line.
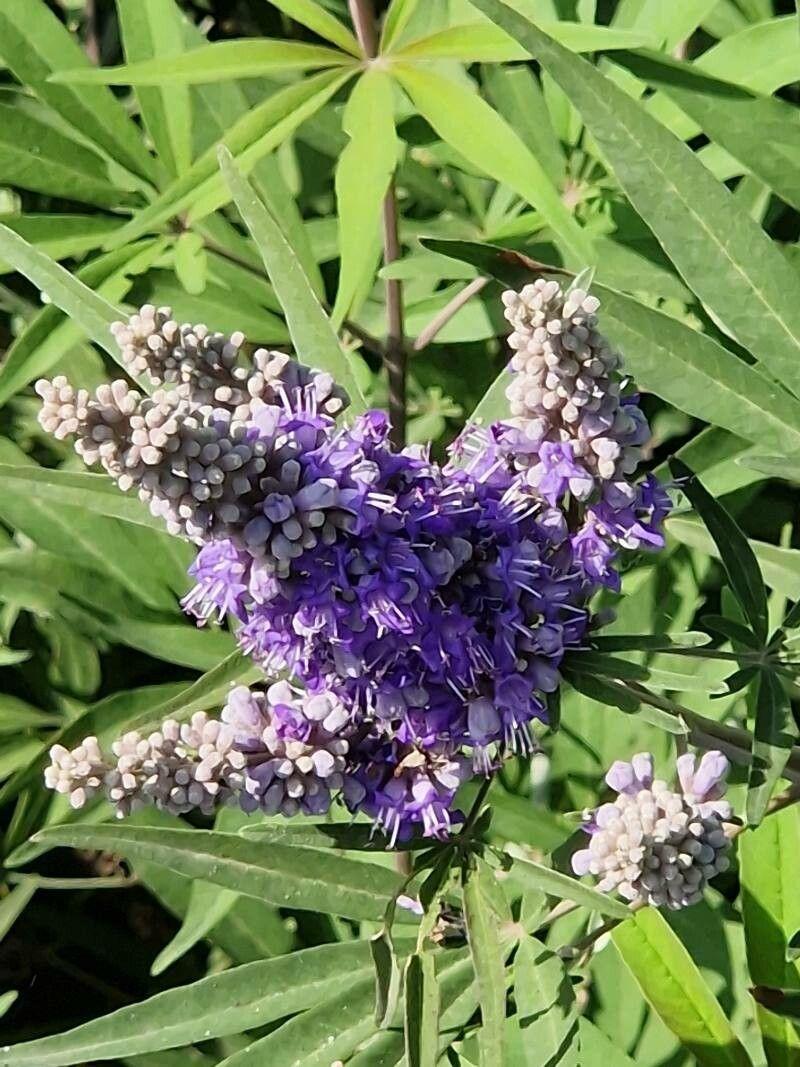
6 1000
774 734
769 869
483 935
90 311
62 235
546 1009
363 173
227 1003
154 29
672 984
556 884
50 336
722 253
318 1037
387 978
312 334
311 14
421 1022
517 95
395 22
34 44
482 43
762 56
93 492
597 1047
466 122
761 132
250 138
16 715
223 60
34 155
666 357
734 549
288 876
208 905
14 903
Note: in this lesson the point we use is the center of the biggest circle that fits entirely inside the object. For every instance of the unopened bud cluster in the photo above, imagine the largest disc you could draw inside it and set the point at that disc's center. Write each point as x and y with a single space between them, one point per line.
565 390
179 767
656 845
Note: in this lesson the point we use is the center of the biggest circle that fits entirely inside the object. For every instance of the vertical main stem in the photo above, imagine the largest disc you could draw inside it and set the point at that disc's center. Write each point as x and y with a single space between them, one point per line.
362 13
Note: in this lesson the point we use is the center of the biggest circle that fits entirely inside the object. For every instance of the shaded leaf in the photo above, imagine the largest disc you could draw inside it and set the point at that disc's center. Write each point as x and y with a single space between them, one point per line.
734 549
34 45
387 977
155 29
769 868
774 733
421 1022
547 1014
239 999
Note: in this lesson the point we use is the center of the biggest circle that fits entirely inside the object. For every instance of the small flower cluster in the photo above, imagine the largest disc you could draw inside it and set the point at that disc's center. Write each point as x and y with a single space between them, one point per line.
422 609
655 845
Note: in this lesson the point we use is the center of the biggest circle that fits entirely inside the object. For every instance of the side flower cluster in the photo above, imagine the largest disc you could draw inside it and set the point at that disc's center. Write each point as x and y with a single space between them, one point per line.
657 845
421 611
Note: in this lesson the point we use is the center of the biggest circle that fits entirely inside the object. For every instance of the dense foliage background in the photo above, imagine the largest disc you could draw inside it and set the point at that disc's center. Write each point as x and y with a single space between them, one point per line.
572 162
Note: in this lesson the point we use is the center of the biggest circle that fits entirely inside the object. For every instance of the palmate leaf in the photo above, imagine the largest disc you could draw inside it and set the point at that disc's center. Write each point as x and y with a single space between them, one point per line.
466 122
769 867
312 334
287 876
722 253
252 995
671 982
397 18
208 905
221 61
154 29
34 45
666 357
363 173
250 138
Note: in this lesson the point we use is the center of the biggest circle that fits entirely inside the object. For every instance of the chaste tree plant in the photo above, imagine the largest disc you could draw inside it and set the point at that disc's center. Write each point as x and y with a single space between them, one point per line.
416 656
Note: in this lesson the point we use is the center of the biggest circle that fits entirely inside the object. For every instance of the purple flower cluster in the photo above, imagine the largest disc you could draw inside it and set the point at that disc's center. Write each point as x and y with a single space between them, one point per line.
425 608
